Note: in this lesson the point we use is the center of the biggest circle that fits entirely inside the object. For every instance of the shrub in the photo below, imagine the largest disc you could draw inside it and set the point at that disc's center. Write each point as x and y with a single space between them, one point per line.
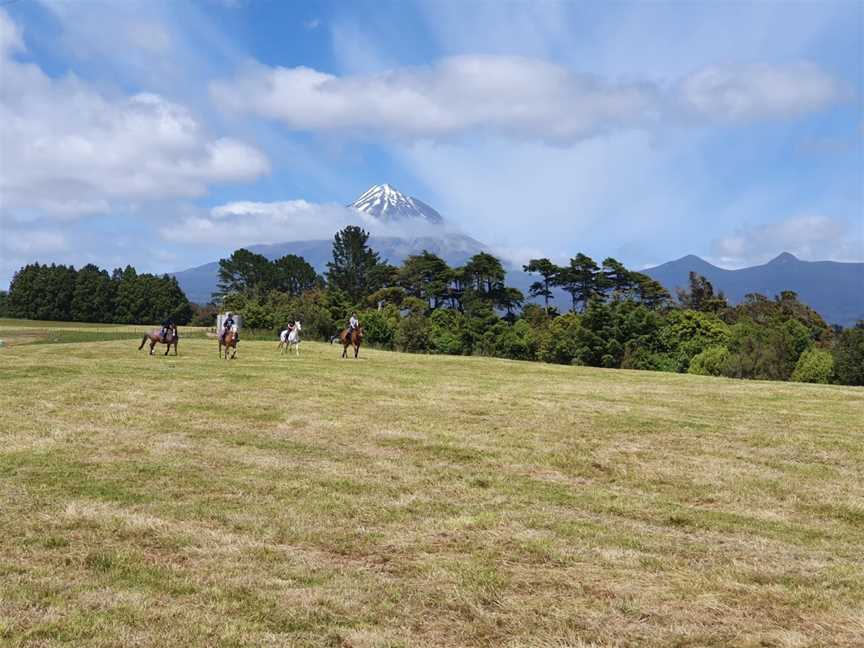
559 342
447 332
412 334
687 333
503 340
257 316
814 366
709 362
764 352
638 357
379 329
849 356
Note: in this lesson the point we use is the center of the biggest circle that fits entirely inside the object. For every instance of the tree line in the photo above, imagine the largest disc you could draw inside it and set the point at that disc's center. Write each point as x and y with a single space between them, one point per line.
90 294
615 317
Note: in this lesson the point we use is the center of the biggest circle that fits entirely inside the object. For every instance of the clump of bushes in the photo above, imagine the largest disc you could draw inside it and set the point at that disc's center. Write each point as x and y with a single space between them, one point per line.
709 362
814 366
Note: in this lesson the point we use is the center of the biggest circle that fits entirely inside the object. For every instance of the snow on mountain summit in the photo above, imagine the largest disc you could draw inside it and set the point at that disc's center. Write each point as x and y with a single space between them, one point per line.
387 204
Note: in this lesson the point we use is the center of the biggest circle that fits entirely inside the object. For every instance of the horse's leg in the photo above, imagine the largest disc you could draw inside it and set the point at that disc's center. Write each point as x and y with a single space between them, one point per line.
143 340
345 351
152 347
356 350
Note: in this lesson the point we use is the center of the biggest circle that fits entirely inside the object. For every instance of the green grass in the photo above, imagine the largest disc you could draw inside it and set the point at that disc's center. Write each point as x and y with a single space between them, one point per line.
407 500
15 332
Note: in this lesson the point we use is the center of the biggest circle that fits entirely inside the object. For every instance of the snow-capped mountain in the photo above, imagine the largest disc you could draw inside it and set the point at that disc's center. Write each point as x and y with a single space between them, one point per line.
387 204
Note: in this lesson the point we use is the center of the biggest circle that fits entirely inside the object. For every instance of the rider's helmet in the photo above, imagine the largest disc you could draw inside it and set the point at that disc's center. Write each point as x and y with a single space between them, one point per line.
229 314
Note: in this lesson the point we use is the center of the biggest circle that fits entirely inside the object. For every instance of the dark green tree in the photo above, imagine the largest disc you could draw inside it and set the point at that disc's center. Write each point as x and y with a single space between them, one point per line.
25 292
650 292
849 356
42 292
616 279
354 265
427 277
547 271
293 275
93 296
700 296
129 295
484 274
244 272
581 280
510 299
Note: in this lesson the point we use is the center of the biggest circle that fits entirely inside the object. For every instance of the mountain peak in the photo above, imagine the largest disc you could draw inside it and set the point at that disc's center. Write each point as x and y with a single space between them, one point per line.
783 257
386 203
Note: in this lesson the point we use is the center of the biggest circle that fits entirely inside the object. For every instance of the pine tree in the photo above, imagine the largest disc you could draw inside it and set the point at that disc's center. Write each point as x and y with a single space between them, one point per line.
293 275
617 279
543 288
244 272
581 280
93 296
353 268
427 277
701 297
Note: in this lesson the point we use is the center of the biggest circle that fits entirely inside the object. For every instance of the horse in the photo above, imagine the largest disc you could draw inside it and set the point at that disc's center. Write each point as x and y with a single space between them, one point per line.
156 336
229 340
287 340
351 337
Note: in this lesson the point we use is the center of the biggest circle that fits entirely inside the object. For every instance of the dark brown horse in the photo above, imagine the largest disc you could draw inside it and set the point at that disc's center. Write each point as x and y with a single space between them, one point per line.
156 336
230 339
351 338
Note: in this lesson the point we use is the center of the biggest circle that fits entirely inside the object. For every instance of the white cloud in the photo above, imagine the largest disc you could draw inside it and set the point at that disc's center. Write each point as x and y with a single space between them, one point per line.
759 91
499 94
67 149
811 237
247 223
516 97
150 37
10 35
19 246
33 243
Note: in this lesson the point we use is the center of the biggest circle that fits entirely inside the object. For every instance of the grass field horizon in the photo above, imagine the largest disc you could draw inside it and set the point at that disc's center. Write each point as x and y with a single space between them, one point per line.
404 500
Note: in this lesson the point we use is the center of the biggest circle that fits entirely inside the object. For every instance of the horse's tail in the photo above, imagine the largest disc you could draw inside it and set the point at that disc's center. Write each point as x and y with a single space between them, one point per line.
143 340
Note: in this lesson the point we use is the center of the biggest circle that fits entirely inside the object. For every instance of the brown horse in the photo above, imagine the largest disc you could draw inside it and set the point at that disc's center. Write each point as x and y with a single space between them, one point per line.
156 336
229 340
351 338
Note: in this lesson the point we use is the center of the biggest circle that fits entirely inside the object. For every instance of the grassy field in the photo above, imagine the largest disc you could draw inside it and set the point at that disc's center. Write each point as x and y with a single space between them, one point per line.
14 332
407 500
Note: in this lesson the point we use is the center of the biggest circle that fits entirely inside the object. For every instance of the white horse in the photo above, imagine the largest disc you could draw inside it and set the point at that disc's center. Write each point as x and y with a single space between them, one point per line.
287 339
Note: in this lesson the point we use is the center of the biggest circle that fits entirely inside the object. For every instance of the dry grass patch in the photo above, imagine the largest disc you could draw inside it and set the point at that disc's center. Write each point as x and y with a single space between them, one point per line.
451 501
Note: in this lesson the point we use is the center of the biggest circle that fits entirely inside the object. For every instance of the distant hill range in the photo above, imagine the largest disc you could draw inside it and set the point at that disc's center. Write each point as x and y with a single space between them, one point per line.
835 290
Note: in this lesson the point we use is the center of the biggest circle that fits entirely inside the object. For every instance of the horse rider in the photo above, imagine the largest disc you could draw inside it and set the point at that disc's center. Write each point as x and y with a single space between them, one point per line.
226 326
167 325
353 323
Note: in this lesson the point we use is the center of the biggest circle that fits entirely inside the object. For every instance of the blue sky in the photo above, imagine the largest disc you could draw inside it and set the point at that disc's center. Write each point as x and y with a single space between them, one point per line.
166 134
